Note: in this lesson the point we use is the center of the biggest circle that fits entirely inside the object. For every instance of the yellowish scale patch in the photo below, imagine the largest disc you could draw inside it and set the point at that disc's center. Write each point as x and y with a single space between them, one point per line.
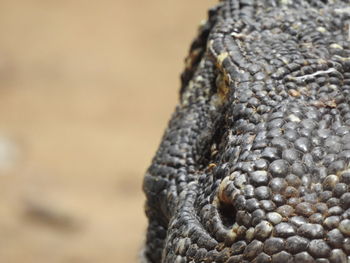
189 61
321 61
331 103
211 166
342 58
238 35
294 93
285 2
335 45
221 57
222 86
321 29
186 95
222 196
223 80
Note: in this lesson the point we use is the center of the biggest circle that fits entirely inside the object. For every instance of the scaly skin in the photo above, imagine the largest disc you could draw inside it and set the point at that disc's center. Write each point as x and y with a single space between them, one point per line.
254 165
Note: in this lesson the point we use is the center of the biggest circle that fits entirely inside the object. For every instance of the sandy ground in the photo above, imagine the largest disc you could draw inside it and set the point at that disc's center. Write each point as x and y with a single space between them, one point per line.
86 90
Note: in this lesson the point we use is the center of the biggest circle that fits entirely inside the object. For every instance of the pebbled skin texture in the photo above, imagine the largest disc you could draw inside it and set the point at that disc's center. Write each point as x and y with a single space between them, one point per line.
254 165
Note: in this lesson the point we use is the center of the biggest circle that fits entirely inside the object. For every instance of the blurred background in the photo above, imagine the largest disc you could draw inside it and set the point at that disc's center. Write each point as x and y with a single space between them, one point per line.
86 91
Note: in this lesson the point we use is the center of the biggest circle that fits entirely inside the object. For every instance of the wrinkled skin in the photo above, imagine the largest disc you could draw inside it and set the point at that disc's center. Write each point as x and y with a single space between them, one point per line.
254 165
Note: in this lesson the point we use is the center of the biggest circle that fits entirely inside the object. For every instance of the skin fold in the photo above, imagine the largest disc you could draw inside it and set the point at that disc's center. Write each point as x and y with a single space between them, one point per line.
254 164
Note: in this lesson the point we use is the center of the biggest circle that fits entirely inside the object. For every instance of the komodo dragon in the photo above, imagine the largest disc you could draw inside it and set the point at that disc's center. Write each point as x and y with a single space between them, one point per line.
254 165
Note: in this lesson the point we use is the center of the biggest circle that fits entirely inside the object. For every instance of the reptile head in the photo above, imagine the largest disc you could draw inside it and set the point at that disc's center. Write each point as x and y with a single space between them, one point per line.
255 163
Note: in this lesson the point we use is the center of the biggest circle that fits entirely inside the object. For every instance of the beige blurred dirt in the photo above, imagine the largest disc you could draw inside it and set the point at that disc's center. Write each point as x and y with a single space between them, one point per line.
86 90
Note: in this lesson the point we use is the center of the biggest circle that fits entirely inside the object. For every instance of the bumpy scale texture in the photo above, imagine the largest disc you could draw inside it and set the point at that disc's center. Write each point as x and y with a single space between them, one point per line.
254 165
